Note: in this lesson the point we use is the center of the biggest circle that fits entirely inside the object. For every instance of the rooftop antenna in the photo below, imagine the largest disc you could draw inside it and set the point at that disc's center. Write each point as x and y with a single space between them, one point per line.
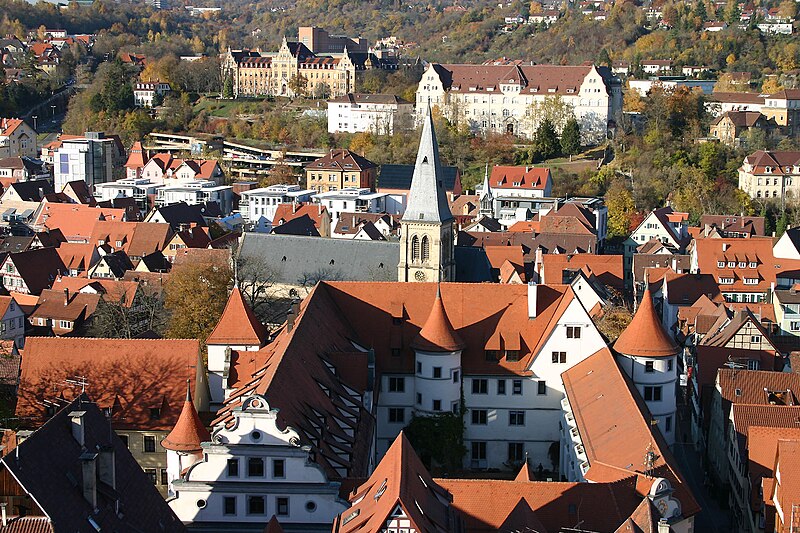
79 381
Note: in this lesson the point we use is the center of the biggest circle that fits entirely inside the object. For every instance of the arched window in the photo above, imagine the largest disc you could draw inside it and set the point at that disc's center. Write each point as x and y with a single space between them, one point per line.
415 248
426 249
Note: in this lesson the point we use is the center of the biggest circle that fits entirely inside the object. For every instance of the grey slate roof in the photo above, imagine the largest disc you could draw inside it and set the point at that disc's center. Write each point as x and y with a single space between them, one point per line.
299 260
48 466
399 177
427 200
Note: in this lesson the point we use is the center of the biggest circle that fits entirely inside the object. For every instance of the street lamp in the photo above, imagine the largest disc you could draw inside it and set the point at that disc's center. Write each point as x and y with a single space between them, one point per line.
53 107
34 117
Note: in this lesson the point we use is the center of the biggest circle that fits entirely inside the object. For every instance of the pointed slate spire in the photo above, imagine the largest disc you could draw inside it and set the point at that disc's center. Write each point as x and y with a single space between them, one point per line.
427 199
486 191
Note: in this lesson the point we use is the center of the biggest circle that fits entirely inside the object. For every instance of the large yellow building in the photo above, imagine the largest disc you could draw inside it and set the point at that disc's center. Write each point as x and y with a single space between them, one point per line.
297 71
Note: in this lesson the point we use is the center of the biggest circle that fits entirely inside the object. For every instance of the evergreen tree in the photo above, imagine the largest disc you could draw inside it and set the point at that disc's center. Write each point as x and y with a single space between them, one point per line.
603 58
700 10
227 87
546 140
571 138
769 220
782 225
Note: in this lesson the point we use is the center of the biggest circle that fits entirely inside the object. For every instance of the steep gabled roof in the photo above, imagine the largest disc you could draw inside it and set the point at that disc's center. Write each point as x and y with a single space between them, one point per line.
615 429
48 463
238 325
400 479
645 336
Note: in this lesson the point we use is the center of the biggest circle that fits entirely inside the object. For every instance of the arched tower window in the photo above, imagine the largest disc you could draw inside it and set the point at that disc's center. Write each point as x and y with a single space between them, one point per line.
426 249
415 248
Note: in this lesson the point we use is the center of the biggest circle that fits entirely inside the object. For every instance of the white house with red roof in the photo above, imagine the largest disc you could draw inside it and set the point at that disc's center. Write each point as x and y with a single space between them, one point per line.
771 174
498 98
665 225
17 139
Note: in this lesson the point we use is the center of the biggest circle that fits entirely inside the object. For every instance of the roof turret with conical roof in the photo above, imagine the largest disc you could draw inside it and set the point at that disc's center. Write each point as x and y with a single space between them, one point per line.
189 432
645 336
438 335
238 325
427 198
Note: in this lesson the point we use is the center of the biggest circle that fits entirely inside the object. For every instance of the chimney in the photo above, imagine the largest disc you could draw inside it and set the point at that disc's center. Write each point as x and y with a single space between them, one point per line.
290 316
3 514
66 297
89 471
533 290
78 426
674 264
663 526
106 466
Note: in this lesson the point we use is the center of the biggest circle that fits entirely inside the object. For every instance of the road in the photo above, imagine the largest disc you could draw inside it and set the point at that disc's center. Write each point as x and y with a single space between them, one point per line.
712 518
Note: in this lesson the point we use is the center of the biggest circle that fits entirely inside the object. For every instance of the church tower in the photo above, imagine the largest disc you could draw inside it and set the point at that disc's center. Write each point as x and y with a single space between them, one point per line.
487 198
426 242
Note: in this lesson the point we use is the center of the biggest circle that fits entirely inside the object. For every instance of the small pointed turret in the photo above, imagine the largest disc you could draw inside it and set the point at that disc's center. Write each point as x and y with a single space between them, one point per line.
645 336
189 432
238 325
427 199
438 334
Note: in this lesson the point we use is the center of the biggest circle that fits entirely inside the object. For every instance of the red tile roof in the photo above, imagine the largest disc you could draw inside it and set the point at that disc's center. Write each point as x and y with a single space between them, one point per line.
189 432
137 157
715 251
286 212
399 479
8 125
607 268
519 178
341 160
238 325
786 491
762 446
614 426
131 376
437 335
645 336
486 504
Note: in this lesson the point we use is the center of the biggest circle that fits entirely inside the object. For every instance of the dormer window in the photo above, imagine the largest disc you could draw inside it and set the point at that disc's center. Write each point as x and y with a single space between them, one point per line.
731 264
720 264
742 264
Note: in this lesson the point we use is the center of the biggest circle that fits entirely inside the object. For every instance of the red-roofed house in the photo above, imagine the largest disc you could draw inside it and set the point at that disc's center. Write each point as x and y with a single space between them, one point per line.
744 269
17 139
318 213
139 384
528 182
770 174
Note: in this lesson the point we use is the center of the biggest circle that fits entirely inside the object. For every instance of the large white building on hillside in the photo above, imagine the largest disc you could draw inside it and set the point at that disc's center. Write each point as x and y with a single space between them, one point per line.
499 99
381 114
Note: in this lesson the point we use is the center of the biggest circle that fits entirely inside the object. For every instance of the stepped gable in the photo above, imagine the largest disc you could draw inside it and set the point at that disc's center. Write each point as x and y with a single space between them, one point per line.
438 335
189 432
238 325
645 336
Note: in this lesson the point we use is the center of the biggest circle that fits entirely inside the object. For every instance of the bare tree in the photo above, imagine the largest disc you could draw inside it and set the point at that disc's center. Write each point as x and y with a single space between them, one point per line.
118 318
256 278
